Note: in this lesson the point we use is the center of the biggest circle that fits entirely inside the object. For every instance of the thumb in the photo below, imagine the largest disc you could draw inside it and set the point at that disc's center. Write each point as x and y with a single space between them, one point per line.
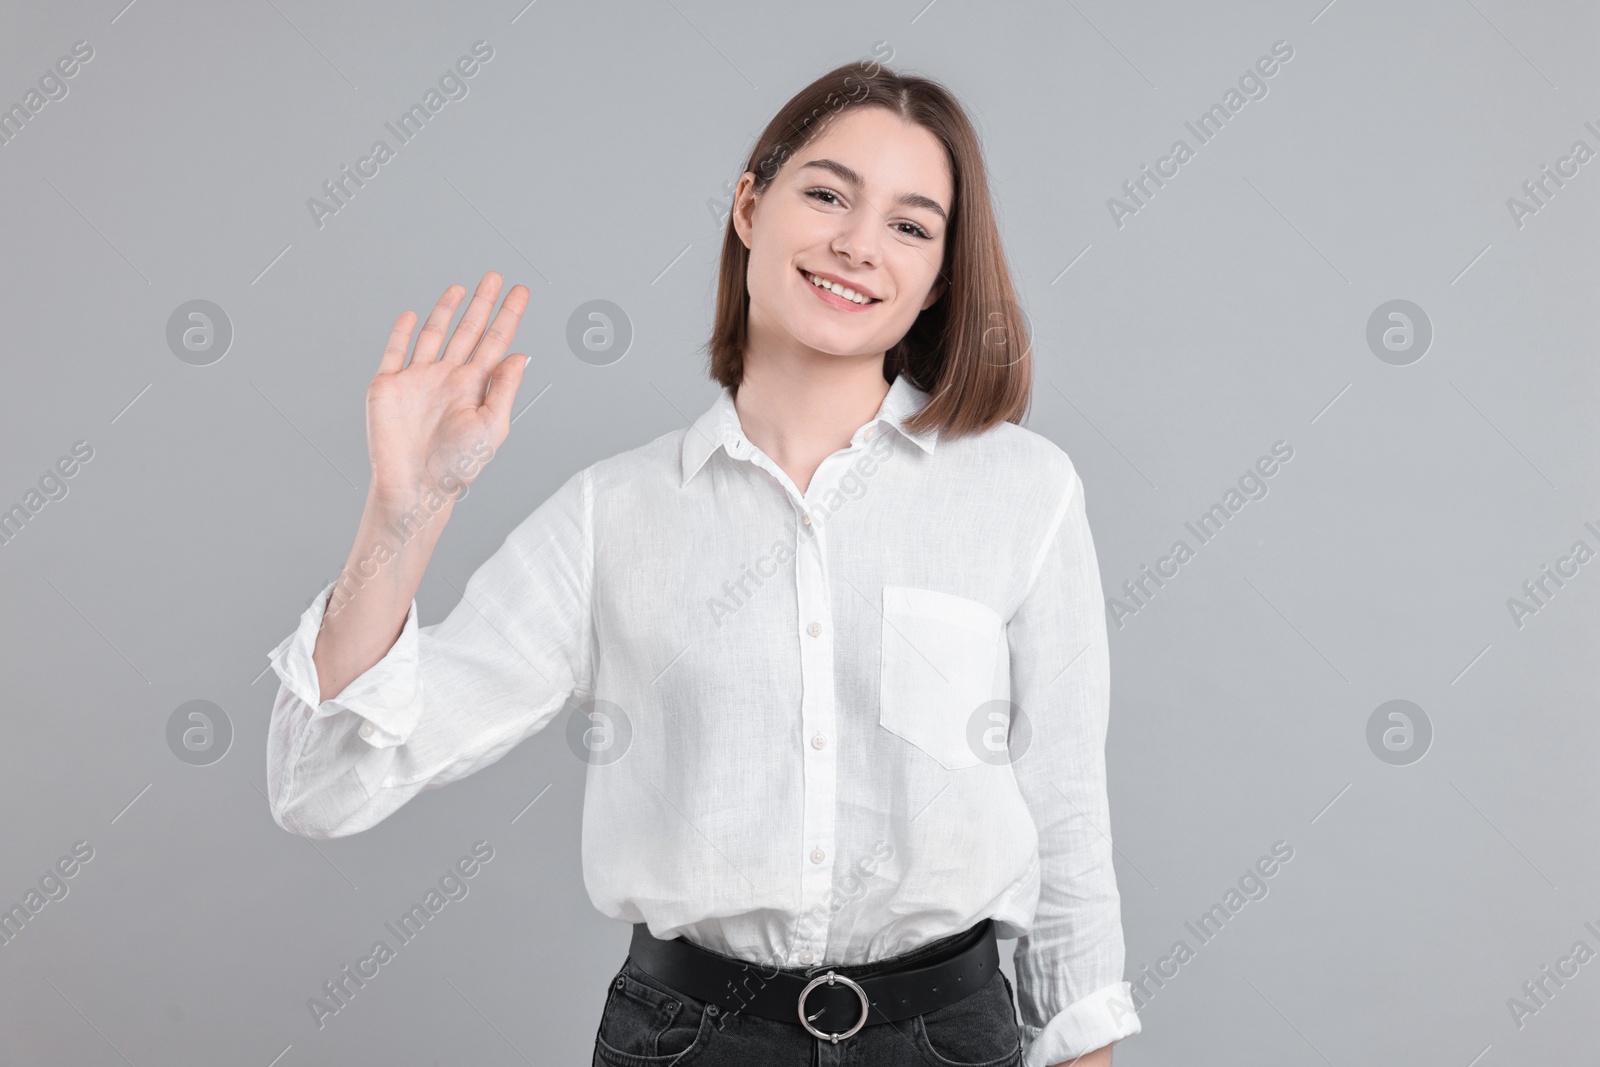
503 385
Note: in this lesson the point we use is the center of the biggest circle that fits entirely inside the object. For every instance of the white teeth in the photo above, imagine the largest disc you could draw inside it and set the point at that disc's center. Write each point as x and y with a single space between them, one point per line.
839 290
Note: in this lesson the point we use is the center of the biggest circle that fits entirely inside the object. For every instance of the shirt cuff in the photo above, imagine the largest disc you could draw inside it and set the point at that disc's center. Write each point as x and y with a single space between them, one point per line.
387 695
1095 1021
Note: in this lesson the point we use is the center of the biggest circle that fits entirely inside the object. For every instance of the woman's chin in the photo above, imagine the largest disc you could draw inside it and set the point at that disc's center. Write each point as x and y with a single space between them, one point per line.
836 340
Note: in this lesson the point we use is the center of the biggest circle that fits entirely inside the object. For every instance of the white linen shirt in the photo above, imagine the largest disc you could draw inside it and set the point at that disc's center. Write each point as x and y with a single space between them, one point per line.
793 750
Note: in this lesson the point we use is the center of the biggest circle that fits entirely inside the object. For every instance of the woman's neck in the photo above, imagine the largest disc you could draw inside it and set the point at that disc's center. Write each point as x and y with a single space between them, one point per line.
800 410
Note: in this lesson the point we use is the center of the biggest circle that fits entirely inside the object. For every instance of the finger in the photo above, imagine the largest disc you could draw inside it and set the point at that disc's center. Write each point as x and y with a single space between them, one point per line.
503 385
497 338
432 336
394 353
470 328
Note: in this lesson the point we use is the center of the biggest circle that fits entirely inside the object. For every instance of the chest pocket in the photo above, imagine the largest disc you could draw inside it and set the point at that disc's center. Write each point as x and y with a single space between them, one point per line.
943 658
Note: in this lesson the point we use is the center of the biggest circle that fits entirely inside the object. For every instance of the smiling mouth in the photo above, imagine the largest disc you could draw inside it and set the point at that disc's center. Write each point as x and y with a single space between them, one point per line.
842 292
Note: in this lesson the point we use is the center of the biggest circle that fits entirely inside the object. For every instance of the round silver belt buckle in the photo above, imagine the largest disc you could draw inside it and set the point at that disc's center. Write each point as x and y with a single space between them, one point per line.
830 978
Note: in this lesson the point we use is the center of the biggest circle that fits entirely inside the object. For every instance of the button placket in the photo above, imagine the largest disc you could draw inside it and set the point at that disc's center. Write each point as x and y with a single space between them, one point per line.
814 623
814 616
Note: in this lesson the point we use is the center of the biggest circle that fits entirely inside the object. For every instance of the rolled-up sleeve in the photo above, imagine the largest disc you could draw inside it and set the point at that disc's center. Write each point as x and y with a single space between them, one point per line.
447 699
1069 965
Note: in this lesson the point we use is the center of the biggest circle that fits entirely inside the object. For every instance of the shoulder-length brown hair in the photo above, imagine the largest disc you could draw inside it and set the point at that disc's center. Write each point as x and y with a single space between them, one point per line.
970 349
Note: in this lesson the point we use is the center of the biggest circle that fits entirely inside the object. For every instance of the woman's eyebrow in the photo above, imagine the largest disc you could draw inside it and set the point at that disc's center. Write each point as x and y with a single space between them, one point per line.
847 174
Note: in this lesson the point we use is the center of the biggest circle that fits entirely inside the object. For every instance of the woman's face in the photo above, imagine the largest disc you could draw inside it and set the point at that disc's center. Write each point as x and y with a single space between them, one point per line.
864 206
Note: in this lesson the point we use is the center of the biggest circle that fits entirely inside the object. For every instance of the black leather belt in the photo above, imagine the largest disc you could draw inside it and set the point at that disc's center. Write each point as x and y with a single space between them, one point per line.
831 1002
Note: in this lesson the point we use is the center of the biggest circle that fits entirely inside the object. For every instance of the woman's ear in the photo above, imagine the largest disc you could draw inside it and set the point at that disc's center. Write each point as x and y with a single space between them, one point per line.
744 206
935 293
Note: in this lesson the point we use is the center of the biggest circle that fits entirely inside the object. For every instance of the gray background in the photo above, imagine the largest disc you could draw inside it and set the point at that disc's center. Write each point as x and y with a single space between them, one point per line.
1228 314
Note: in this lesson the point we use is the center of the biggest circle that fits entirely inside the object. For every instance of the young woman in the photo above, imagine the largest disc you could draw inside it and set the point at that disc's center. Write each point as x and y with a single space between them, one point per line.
836 652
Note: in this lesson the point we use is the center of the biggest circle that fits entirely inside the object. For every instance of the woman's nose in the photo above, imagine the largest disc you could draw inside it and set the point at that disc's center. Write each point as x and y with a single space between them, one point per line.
858 238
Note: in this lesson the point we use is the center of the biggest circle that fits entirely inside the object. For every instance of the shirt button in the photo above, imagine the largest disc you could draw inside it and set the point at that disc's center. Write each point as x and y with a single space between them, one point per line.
817 855
805 955
806 519
872 431
818 741
366 729
814 629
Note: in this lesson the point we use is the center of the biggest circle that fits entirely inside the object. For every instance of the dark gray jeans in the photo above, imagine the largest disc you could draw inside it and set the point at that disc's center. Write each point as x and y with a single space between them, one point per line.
647 1023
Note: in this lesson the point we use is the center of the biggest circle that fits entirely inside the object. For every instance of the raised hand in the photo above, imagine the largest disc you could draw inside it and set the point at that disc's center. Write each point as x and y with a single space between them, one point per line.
432 424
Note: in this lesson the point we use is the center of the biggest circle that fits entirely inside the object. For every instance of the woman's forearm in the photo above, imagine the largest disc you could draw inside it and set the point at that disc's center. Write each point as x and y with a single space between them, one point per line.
1100 1057
380 578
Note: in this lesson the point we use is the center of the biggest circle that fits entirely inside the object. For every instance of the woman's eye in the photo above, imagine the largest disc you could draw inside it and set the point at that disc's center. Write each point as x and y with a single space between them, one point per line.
829 197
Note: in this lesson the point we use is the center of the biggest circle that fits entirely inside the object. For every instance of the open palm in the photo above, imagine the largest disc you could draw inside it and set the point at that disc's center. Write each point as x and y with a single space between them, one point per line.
432 424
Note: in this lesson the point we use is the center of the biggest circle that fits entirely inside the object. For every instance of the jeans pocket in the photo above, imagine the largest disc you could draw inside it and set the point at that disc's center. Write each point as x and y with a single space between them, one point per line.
980 1030
941 661
645 1025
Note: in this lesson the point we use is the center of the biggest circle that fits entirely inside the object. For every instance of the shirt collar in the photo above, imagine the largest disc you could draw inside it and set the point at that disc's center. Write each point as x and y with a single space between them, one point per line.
719 427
